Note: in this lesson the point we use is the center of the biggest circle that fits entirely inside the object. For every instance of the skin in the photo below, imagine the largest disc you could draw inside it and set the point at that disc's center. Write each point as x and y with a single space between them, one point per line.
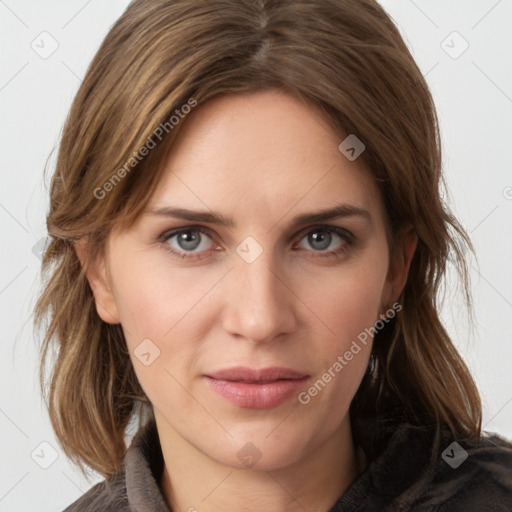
260 159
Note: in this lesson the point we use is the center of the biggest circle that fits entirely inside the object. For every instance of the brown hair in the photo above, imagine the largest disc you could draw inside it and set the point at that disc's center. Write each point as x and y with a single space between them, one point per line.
345 57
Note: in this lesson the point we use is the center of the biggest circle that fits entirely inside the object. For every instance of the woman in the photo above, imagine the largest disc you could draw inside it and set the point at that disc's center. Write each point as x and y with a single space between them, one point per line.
248 239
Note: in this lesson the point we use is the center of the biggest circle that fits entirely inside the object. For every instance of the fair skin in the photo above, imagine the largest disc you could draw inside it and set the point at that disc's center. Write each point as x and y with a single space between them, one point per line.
261 160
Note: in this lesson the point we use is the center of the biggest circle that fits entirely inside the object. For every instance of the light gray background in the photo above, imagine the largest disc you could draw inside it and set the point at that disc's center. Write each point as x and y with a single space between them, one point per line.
474 97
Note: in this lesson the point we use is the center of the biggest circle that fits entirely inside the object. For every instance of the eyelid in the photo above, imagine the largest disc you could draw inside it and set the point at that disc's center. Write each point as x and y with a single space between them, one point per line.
300 234
182 229
338 230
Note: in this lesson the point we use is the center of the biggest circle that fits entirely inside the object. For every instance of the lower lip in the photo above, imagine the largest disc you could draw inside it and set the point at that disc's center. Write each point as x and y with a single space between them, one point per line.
257 396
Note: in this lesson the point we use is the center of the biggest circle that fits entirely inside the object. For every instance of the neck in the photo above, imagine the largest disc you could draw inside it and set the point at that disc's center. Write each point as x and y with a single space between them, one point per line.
194 482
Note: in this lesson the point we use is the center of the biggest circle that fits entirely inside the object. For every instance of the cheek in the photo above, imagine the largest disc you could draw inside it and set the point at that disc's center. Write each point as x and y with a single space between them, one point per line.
155 300
350 301
348 306
165 313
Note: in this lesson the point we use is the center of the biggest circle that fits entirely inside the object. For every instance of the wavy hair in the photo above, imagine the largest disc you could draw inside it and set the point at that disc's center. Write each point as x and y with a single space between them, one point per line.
345 57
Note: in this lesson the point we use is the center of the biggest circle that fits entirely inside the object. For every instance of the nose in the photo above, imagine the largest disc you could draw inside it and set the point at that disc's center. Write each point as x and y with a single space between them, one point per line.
260 304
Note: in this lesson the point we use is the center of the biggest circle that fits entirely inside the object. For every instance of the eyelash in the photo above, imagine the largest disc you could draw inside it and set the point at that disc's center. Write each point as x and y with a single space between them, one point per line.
346 237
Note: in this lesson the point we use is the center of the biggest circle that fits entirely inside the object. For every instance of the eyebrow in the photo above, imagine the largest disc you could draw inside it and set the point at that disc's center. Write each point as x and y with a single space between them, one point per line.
336 212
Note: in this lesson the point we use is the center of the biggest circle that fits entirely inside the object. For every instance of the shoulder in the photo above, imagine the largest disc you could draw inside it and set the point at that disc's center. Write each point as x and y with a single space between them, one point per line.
109 496
469 476
136 485
414 473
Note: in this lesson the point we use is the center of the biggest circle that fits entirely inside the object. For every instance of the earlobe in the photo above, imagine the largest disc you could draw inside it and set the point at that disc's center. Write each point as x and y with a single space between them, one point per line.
97 276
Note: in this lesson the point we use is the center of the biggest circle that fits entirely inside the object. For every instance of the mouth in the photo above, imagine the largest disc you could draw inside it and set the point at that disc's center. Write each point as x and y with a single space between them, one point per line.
249 388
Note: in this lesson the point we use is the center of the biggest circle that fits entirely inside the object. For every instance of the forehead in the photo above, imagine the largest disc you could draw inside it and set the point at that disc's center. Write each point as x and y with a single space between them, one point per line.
261 154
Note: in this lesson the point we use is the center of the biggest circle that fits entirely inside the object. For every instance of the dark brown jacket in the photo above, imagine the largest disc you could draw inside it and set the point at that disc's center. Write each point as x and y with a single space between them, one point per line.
401 478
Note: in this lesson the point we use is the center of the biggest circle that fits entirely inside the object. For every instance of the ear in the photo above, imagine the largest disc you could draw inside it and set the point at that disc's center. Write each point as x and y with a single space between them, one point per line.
399 266
97 275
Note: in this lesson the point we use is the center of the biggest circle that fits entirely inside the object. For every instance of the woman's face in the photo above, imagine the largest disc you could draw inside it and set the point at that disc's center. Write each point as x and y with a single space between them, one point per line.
242 310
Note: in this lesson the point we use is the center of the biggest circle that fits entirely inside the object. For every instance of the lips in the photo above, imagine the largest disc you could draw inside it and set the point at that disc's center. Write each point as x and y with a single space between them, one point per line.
243 374
263 388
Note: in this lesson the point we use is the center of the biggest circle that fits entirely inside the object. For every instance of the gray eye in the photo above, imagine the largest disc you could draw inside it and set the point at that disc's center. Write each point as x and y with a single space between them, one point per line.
190 240
319 240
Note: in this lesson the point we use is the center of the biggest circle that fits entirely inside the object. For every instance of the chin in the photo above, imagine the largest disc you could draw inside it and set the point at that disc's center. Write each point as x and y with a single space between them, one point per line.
261 453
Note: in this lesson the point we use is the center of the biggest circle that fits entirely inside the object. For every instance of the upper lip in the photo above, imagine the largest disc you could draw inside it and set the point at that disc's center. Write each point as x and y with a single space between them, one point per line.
245 374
